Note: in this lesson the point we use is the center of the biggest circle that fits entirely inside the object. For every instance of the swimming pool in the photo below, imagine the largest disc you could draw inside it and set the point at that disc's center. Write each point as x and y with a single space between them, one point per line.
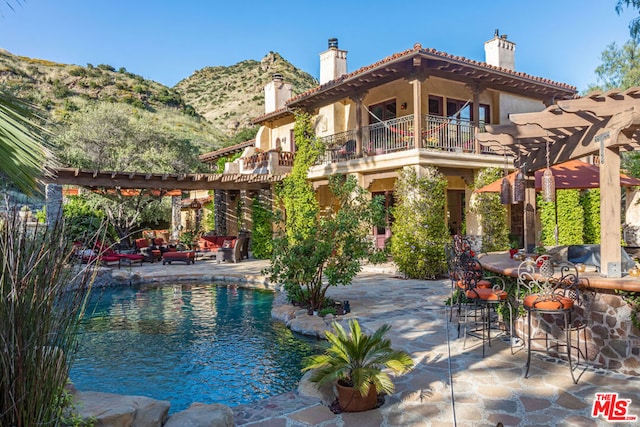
188 343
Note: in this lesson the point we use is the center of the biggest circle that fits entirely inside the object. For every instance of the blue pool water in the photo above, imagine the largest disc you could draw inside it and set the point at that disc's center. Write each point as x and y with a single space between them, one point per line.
188 343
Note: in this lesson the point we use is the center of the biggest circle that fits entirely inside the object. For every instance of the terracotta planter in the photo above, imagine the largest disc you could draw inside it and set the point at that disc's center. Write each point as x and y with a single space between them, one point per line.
351 400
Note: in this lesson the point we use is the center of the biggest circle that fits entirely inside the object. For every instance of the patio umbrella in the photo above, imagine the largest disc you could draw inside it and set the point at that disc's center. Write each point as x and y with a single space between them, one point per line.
574 174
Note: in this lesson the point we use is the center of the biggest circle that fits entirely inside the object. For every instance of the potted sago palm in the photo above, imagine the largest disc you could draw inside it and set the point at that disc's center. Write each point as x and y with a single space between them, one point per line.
355 363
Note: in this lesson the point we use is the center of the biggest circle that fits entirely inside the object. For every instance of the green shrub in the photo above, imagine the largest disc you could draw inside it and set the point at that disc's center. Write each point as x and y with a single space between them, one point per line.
419 231
492 214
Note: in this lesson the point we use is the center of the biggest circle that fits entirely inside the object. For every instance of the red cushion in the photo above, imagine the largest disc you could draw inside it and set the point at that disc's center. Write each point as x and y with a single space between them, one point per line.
179 255
485 294
557 302
483 283
220 241
141 243
132 257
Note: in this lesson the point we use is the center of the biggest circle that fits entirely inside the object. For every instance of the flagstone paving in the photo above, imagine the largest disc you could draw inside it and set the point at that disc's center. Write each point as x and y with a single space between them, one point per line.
450 384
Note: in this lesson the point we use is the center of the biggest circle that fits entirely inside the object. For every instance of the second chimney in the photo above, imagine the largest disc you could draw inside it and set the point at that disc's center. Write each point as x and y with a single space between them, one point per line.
500 52
333 62
276 94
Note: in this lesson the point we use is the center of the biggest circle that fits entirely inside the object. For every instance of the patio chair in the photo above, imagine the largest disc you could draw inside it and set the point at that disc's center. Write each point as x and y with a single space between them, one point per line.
550 293
232 249
483 294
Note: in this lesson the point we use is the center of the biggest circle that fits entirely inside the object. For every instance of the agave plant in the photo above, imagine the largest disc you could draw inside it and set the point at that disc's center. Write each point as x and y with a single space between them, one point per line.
358 360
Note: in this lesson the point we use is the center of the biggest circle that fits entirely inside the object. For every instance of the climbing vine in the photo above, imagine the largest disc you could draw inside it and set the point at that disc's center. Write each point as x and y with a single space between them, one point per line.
570 217
262 229
491 213
590 201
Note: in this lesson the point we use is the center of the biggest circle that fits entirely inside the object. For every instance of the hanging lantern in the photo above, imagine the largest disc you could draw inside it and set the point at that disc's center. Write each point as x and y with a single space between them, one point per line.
505 191
548 186
518 187
548 183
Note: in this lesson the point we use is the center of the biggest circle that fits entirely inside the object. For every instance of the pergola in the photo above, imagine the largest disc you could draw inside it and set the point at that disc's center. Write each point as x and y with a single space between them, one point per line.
153 181
603 124
164 181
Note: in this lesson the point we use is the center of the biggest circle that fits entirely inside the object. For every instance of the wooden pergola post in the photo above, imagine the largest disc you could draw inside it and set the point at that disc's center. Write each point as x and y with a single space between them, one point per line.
610 199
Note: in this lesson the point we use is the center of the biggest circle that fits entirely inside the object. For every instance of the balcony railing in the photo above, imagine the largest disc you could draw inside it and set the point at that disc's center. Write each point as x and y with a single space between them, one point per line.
438 133
268 162
388 136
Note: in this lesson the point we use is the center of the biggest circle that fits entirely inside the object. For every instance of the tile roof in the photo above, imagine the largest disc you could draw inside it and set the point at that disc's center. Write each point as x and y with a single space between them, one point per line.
232 149
418 51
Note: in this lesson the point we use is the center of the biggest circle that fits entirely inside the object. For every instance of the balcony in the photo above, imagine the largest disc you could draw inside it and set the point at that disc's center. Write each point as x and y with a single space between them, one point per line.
273 162
438 133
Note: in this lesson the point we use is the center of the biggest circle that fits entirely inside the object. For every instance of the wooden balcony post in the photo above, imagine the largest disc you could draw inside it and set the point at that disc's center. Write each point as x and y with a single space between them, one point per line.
475 90
417 112
358 99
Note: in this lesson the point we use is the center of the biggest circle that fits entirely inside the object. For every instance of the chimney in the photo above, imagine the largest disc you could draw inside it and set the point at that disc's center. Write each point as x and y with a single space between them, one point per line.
276 94
500 52
333 62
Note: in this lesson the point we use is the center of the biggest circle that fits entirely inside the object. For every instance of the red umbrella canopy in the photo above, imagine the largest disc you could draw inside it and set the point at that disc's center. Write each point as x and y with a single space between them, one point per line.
574 174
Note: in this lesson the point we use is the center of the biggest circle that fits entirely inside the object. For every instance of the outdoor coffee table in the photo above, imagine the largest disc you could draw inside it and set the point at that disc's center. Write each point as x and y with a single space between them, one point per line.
184 256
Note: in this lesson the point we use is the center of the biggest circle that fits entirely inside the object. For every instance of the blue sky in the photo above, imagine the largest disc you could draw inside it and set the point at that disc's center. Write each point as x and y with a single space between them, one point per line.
167 41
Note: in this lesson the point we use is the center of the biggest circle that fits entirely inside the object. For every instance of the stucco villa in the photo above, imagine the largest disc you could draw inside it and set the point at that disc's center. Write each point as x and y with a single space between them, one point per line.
416 108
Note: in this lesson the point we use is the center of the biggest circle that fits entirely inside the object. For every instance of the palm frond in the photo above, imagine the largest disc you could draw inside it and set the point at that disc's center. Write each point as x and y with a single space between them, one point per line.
25 156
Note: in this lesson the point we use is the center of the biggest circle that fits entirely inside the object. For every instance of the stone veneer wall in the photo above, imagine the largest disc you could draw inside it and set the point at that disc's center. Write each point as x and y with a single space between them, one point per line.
612 342
631 234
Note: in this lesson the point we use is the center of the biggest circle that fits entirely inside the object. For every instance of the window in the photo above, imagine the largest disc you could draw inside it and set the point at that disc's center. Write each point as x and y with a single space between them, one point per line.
435 106
459 109
383 111
463 110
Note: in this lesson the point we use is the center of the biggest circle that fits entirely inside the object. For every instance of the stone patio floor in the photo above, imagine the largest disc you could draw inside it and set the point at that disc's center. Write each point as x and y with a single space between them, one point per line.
450 385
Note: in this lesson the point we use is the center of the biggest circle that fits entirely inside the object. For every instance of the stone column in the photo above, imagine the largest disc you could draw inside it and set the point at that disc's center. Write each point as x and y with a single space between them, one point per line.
53 202
220 203
176 218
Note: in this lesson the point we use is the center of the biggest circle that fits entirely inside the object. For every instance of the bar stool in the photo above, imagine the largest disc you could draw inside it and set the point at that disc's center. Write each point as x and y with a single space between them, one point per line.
484 293
550 290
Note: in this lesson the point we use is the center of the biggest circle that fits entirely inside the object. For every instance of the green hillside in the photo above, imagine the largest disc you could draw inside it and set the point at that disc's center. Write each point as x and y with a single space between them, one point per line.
211 109
230 97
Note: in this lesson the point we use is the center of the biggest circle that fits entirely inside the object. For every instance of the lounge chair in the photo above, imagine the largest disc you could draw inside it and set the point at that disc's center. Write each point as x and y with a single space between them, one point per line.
150 254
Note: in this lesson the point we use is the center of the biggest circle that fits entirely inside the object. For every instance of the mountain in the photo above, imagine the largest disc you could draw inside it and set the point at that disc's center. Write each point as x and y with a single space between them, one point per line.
230 97
64 90
212 108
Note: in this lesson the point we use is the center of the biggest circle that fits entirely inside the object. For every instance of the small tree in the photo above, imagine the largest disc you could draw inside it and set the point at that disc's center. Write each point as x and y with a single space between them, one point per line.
314 250
329 252
419 231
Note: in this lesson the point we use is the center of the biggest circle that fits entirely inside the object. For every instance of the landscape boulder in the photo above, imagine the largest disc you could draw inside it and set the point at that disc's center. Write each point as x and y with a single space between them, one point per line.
114 410
202 415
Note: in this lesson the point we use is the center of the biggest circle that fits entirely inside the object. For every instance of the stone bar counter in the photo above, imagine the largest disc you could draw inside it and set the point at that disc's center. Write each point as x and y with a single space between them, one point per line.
607 336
